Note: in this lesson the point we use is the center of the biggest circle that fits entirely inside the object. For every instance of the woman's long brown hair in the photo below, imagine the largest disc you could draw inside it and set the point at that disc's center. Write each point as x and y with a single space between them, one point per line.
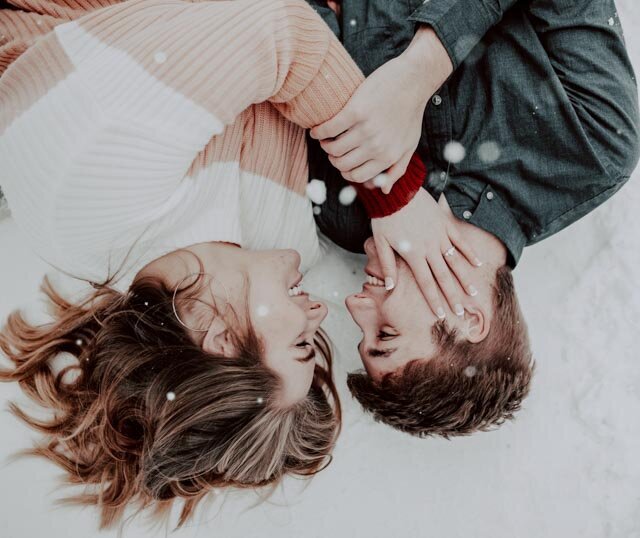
145 416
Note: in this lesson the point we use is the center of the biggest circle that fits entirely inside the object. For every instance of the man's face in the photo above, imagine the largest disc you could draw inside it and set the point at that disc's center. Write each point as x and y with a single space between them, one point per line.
396 324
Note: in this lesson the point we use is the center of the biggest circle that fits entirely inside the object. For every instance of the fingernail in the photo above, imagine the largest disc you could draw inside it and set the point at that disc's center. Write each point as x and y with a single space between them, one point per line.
388 283
473 291
441 313
459 310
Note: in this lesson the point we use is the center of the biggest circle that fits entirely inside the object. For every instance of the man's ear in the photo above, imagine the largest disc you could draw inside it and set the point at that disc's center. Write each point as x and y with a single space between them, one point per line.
476 324
218 340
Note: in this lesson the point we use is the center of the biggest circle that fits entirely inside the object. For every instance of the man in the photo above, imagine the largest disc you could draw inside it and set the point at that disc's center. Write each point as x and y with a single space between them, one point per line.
530 122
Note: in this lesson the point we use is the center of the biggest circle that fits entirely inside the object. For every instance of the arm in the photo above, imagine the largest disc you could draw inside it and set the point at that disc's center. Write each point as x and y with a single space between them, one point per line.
587 52
154 71
461 24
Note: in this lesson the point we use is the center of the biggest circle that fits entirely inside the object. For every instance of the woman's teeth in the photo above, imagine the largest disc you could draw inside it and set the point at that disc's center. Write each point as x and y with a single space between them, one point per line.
296 290
374 281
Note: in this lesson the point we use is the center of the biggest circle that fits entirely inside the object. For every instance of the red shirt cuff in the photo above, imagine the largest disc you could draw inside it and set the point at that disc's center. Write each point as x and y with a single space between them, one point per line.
377 204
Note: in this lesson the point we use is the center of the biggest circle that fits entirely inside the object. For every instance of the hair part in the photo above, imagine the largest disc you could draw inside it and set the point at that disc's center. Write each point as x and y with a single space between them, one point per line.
466 387
144 416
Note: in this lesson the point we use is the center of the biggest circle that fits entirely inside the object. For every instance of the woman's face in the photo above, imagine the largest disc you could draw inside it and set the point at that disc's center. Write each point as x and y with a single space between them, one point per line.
280 312
284 318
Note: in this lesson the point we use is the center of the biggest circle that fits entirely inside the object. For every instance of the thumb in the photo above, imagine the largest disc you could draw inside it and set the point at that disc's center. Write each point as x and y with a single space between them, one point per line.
396 172
387 260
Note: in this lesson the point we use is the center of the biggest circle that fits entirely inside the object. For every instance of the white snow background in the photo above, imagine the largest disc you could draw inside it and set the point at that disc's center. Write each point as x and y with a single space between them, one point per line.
567 467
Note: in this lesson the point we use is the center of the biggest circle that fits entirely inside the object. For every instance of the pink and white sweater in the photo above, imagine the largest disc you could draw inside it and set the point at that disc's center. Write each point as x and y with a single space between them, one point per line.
164 123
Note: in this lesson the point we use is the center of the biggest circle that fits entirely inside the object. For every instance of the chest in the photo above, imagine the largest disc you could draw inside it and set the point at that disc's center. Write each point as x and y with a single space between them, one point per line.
373 31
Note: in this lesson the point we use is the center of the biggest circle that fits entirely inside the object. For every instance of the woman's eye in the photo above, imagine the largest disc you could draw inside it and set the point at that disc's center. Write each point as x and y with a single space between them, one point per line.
382 335
303 344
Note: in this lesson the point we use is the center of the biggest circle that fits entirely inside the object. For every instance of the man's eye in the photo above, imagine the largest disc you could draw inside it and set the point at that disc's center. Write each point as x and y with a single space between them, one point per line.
303 344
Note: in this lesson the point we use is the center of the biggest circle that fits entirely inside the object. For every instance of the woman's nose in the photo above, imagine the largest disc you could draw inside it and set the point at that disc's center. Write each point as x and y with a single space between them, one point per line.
317 312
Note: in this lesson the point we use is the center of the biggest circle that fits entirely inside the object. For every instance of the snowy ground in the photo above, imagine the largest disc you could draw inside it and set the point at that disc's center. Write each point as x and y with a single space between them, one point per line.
569 467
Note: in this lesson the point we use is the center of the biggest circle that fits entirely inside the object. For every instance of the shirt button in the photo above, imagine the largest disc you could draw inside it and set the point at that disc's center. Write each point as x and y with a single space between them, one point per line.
467 215
443 176
489 195
436 100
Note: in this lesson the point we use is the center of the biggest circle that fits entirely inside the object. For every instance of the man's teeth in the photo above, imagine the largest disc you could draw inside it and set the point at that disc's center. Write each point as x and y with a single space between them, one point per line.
296 290
374 281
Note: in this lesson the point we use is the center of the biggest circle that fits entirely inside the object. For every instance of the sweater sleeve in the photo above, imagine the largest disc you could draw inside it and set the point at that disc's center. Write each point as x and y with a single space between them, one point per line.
143 85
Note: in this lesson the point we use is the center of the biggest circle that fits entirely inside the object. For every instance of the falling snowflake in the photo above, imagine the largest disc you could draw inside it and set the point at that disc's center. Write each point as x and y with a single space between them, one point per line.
262 310
171 396
347 195
159 57
404 246
381 180
317 191
353 22
489 152
611 21
470 371
454 152
79 342
259 400
316 210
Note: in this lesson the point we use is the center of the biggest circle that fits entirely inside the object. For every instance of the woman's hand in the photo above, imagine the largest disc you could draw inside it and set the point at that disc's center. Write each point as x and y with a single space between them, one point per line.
379 128
423 234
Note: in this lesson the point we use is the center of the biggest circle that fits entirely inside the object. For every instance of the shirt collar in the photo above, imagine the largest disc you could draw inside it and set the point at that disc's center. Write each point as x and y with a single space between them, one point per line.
490 212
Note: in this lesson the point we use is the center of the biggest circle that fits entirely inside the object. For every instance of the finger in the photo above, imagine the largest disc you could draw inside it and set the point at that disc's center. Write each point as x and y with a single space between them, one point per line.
345 143
462 270
337 125
396 172
368 170
464 247
387 260
427 284
351 160
448 286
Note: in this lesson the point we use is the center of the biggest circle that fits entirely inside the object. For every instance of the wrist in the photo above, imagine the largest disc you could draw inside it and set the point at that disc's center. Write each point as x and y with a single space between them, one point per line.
428 61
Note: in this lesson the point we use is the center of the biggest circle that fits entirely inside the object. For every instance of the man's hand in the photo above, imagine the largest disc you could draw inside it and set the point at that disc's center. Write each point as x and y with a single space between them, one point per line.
423 234
379 128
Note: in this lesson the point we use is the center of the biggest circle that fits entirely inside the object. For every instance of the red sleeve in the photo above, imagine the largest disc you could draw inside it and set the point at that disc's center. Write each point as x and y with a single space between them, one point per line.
378 204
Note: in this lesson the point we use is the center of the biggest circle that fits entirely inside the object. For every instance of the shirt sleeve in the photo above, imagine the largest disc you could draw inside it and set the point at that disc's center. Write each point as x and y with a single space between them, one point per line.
461 24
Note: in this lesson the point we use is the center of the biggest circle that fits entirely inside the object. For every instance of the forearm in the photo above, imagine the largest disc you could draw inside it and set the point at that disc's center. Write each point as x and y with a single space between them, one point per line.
428 62
461 24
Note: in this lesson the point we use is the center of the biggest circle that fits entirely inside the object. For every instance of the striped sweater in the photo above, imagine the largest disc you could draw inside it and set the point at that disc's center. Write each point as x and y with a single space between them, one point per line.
145 126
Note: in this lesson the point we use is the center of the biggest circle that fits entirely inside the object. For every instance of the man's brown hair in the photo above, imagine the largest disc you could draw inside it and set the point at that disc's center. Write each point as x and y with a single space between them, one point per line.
466 387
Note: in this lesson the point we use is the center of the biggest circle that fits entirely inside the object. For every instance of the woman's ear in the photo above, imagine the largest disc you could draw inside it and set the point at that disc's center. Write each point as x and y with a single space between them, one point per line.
477 324
218 340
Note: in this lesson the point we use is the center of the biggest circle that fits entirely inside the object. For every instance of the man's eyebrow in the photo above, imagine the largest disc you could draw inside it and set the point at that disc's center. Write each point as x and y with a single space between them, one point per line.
374 352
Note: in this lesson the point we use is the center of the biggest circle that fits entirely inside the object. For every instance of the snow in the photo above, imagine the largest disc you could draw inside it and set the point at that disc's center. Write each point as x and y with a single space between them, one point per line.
317 191
454 152
567 467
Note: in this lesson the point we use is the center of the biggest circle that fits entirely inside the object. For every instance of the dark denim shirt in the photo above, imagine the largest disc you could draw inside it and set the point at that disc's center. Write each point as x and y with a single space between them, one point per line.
543 99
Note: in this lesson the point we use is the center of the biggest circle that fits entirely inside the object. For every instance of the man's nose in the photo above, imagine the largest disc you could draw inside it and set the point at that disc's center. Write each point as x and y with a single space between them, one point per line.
362 309
369 247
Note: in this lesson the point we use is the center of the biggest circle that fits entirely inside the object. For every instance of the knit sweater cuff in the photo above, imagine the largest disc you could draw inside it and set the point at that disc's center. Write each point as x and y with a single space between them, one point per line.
377 204
326 93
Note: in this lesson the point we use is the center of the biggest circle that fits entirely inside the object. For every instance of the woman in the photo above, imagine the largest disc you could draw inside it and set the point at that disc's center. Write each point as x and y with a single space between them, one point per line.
166 138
